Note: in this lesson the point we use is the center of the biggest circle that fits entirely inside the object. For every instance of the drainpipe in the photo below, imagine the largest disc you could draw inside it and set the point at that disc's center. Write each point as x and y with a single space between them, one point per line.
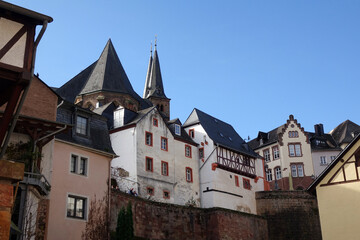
23 96
49 135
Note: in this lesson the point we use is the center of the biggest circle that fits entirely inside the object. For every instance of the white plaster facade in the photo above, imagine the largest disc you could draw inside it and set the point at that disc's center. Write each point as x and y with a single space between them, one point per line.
224 188
319 164
171 186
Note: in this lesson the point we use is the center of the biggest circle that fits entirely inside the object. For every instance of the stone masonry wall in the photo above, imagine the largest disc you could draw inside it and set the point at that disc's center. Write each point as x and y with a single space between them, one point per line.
290 214
153 220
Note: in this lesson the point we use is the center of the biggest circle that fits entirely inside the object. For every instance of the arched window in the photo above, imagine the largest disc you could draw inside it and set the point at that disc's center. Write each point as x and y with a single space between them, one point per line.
162 108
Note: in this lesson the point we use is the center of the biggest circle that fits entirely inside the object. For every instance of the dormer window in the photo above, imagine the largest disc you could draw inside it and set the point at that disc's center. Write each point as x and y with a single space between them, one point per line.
81 125
177 129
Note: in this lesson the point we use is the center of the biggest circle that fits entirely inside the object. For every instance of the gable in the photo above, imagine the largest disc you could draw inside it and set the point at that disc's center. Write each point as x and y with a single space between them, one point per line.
346 169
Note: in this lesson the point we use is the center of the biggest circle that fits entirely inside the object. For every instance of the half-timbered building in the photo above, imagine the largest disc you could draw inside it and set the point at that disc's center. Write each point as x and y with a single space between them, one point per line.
337 191
230 171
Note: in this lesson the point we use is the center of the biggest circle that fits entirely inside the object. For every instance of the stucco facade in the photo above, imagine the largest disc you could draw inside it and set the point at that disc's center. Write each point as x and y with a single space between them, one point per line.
337 190
153 170
222 186
66 183
287 152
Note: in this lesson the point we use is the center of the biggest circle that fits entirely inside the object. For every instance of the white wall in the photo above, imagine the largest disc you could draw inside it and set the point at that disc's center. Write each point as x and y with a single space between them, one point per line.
124 145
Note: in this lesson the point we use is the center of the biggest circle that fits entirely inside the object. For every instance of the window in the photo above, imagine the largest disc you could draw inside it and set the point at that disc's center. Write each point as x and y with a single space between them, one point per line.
293 134
300 170
83 163
188 172
166 194
155 122
297 170
177 129
81 125
295 150
266 153
246 183
277 173
149 164
191 133
332 158
269 175
164 168
188 151
74 163
78 167
201 152
246 161
323 160
164 144
150 191
76 207
237 181
276 152
148 139
293 171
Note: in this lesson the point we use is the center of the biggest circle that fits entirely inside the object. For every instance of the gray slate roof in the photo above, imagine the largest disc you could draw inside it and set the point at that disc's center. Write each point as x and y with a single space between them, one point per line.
220 132
345 132
267 138
98 135
106 74
134 118
154 84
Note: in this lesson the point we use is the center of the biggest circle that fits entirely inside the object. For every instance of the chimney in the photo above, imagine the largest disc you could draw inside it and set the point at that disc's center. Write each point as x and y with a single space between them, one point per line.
319 129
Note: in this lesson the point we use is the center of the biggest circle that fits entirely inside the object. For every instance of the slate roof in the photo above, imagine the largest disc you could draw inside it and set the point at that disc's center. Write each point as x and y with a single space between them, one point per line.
106 74
322 142
220 132
98 138
273 137
268 138
132 118
154 84
345 132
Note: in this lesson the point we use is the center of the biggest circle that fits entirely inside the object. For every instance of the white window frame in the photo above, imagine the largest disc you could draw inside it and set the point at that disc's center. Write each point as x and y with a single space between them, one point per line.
177 129
323 160
269 175
294 171
276 152
82 124
277 173
164 143
267 155
295 150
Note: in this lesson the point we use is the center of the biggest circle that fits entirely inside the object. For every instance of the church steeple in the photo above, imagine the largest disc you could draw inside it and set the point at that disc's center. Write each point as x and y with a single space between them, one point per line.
154 89
148 74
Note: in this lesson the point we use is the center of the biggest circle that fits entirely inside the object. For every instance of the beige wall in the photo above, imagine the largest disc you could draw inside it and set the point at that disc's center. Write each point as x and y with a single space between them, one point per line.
64 182
339 204
15 56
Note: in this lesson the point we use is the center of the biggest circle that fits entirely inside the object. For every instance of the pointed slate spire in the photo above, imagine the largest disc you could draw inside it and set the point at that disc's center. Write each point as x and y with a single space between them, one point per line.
155 87
147 82
108 74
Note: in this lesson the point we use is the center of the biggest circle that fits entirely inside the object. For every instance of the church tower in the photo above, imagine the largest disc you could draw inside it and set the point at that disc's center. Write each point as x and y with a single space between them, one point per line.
154 89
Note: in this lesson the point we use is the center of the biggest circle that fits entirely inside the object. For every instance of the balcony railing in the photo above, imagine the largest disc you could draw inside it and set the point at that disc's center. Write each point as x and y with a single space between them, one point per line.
37 180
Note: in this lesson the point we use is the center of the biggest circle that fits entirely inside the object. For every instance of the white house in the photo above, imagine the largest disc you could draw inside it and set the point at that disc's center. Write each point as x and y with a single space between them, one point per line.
157 159
230 171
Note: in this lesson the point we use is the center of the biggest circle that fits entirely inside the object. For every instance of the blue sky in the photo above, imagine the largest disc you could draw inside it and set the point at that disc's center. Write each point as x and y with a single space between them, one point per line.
248 63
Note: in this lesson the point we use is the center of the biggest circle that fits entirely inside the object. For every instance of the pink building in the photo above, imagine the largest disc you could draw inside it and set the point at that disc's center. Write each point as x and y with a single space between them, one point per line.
80 171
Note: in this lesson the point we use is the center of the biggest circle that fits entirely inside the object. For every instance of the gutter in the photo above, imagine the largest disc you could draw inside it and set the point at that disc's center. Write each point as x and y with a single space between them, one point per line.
23 96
